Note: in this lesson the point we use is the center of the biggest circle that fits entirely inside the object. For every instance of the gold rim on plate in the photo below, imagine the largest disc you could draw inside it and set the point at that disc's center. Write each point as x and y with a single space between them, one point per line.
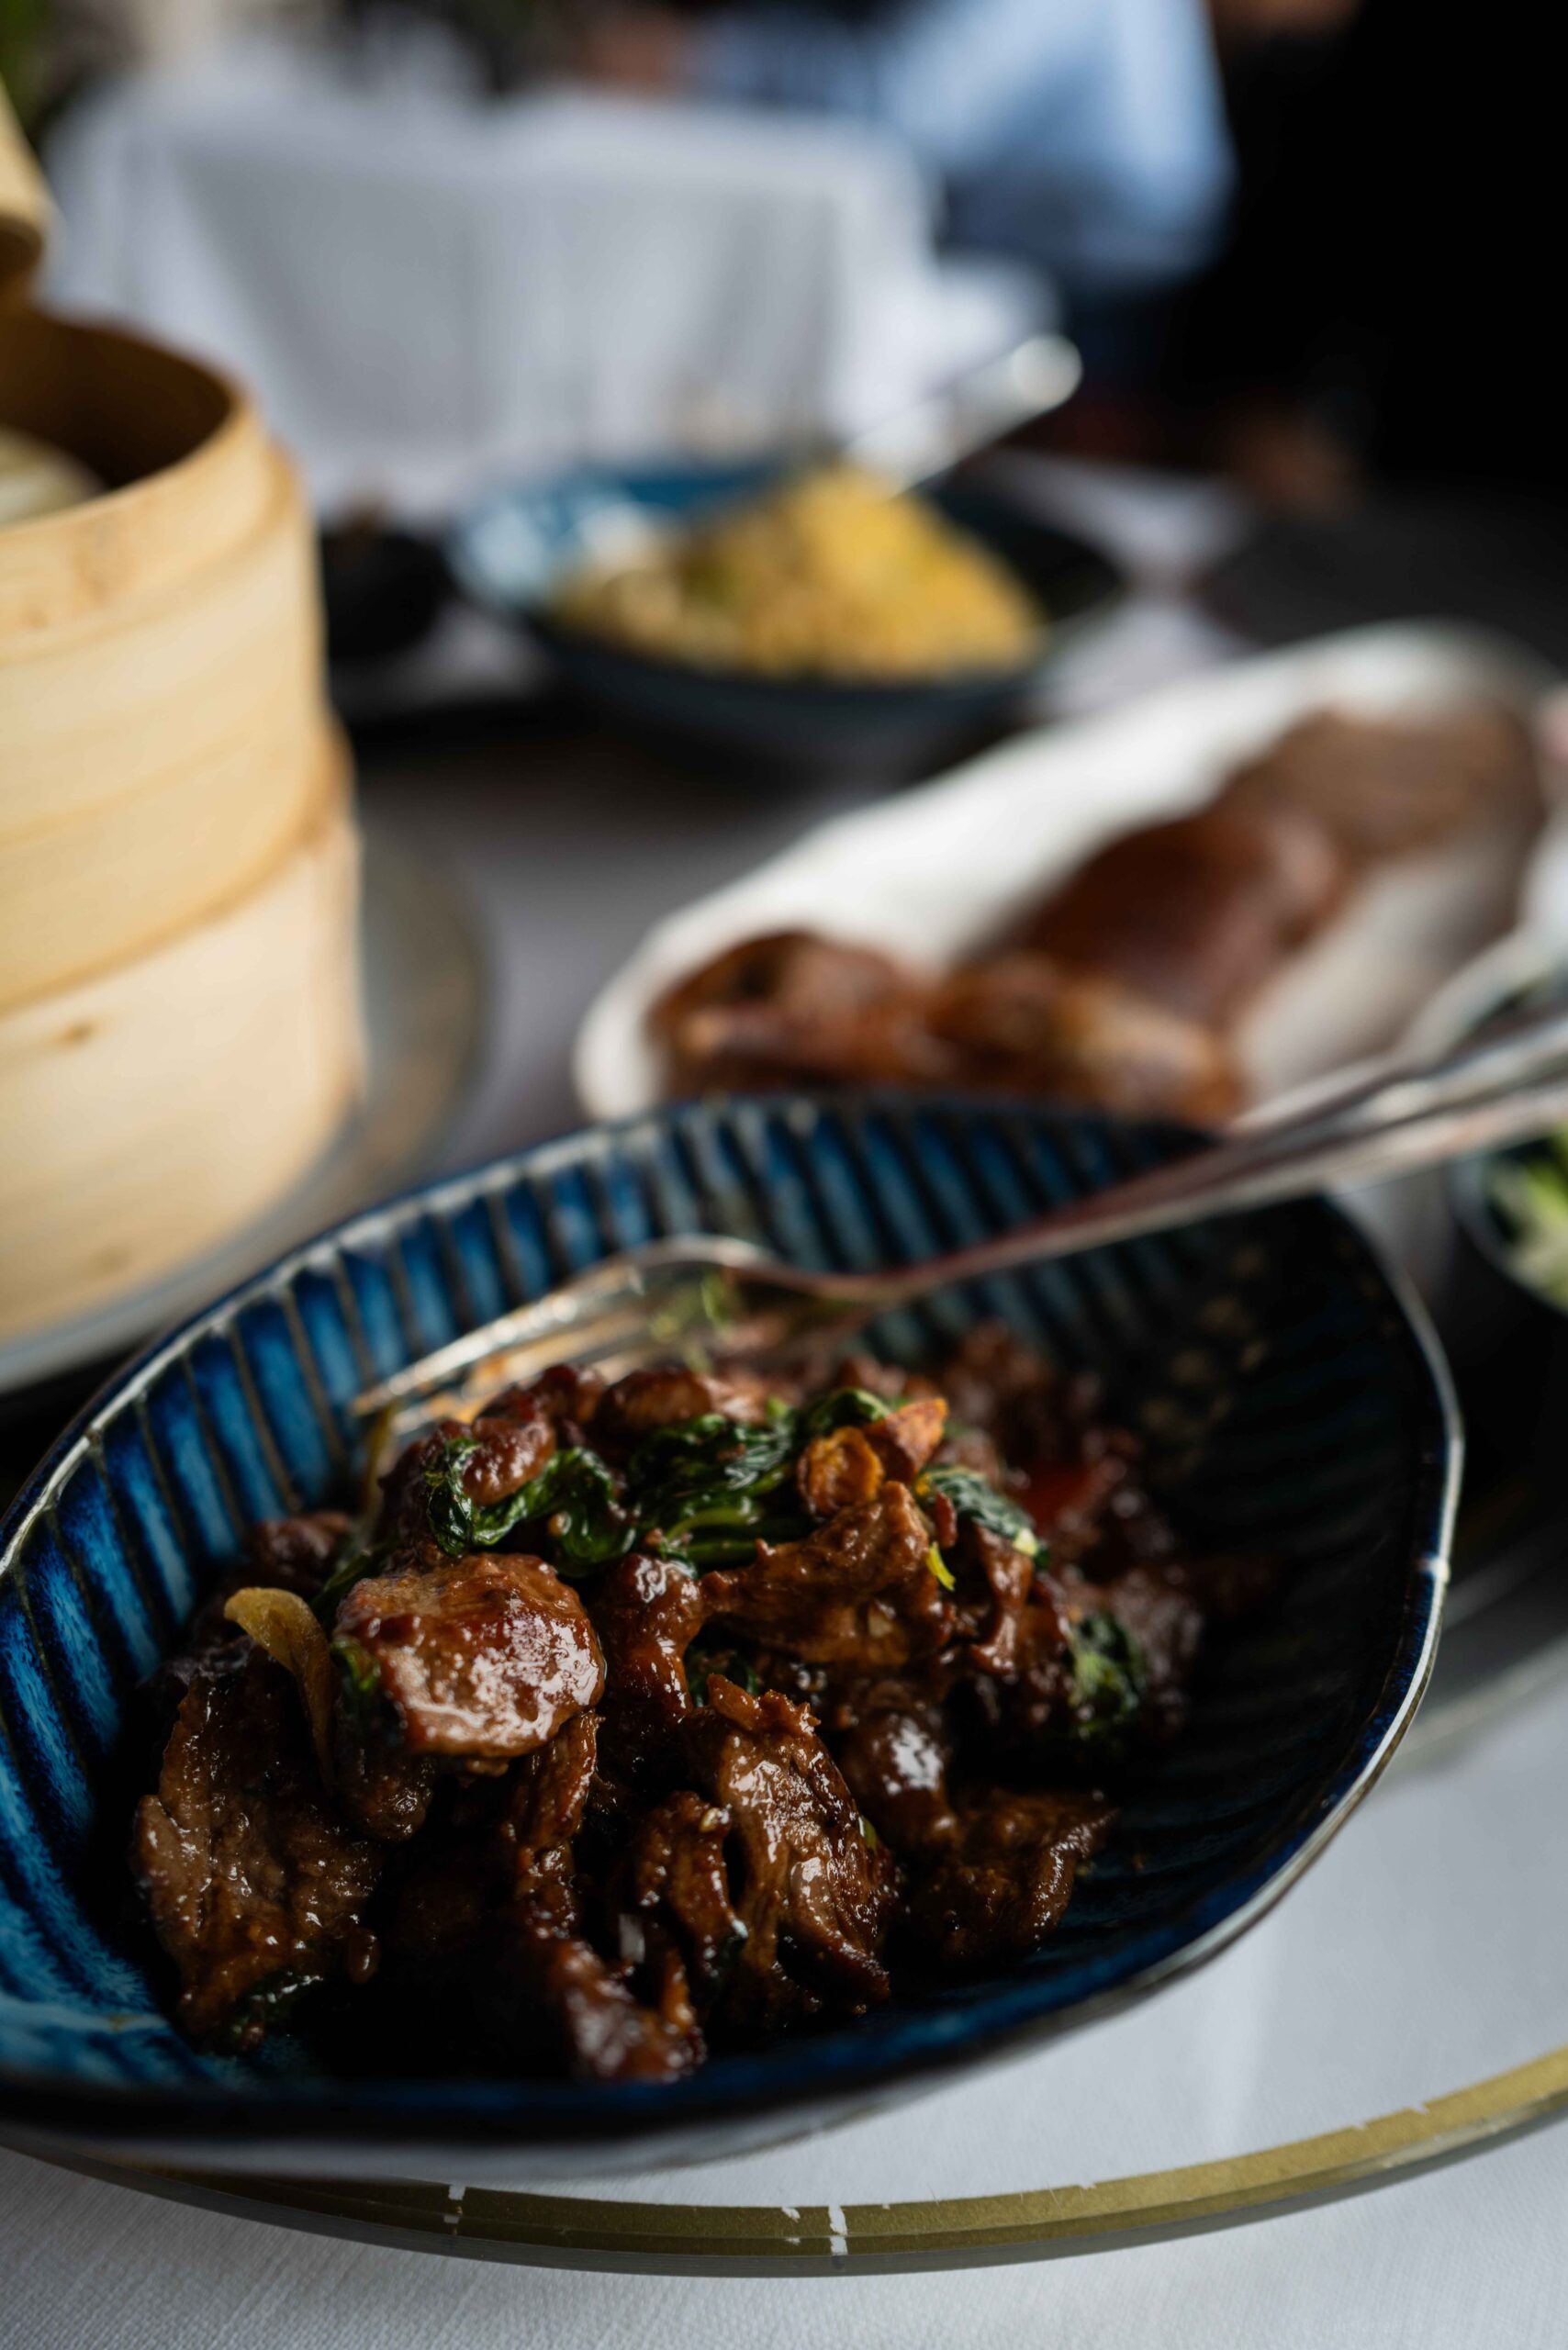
770 2240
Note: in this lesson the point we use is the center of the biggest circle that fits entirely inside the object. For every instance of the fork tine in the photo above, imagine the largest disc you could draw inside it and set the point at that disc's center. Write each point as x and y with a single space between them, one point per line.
566 1317
512 1337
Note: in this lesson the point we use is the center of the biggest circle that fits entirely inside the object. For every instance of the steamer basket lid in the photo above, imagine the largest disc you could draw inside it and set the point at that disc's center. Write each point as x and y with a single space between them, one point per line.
24 210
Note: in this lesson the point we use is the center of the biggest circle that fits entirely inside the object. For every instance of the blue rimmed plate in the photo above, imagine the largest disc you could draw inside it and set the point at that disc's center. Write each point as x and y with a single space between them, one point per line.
1292 1399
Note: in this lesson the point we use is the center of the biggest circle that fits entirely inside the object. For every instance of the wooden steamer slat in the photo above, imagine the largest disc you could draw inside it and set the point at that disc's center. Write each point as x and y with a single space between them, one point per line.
179 1020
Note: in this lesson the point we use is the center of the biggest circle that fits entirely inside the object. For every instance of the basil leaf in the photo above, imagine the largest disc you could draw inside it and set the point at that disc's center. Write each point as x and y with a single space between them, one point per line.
574 1492
1110 1679
840 1407
973 1496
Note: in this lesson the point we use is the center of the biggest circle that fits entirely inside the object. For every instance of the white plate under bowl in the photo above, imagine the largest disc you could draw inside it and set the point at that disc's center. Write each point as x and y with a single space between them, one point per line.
424 994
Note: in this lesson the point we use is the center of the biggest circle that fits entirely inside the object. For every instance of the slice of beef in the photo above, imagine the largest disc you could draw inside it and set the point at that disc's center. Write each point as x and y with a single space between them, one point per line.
989 1873
665 1396
814 1898
859 1591
1005 1878
252 1881
851 1465
894 1761
675 1876
484 1658
551 1977
511 1442
1017 1626
1194 915
794 1006
493 1839
1030 1024
646 1612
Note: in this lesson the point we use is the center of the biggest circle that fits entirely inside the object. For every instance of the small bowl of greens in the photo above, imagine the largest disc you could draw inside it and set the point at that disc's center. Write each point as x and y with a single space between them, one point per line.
1504 1307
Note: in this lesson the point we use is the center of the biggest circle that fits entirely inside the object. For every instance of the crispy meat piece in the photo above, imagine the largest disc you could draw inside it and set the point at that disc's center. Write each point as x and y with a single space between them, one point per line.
1032 1024
607 2032
1196 914
850 1466
483 1658
460 1886
512 1440
567 1395
814 1897
384 1789
1006 1877
838 1472
548 1792
1018 1625
793 1007
1381 788
859 1591
895 1762
904 1440
663 1397
675 1874
647 1612
250 1878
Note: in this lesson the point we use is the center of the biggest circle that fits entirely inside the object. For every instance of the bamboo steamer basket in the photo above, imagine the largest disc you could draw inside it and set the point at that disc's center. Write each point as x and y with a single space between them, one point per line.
179 1019
120 1097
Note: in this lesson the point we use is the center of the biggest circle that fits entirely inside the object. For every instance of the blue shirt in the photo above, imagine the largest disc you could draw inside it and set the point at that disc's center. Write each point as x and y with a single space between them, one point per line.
1087 136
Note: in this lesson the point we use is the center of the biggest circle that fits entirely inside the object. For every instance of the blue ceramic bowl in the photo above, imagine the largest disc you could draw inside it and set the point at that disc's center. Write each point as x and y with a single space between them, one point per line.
512 550
1292 1404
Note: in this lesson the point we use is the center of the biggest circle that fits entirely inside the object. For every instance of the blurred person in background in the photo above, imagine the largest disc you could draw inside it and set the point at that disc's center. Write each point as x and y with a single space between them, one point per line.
1385 301
1087 136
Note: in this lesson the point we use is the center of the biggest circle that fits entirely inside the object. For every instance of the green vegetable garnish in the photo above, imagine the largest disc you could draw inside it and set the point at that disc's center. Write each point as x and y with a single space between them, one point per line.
702 1662
974 1497
359 1687
358 1561
840 1407
707 1489
573 1495
1110 1680
267 2005
1530 1194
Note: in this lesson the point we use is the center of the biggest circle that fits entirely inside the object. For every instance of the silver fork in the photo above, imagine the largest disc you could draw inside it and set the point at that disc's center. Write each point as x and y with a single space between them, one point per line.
721 1297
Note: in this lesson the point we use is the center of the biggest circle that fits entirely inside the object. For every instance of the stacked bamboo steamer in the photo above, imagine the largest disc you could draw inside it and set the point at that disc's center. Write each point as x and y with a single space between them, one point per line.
180 1031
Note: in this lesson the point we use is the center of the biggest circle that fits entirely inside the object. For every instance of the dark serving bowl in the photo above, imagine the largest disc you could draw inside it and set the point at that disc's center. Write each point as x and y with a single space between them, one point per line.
509 552
1293 1403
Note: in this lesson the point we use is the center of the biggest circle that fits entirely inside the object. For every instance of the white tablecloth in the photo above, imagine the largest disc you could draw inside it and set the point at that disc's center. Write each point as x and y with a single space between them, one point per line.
1424 1952
428 289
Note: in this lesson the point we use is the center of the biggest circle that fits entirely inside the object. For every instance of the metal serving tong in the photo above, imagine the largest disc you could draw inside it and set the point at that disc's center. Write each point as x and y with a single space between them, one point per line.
720 1297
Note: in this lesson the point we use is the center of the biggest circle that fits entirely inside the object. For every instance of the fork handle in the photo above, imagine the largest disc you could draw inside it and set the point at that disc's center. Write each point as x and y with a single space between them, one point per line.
1498 1090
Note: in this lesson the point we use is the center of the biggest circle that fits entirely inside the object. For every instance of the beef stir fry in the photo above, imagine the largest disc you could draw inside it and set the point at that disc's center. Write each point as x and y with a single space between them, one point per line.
646 1718
1125 984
